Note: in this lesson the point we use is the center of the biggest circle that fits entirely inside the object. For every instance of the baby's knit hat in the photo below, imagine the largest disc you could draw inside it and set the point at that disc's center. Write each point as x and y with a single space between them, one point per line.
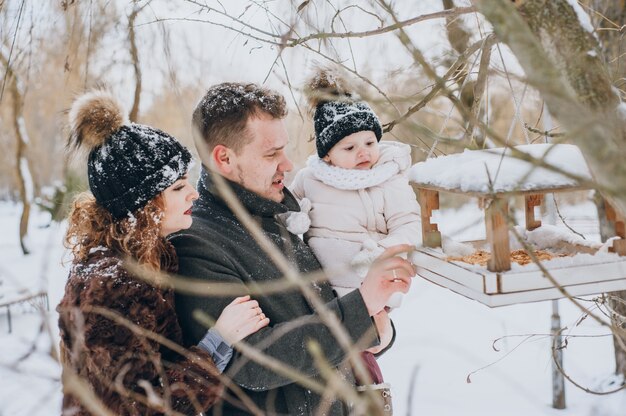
337 112
129 164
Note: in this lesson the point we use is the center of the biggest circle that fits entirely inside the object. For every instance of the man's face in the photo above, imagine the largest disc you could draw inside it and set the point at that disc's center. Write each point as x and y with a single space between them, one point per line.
260 166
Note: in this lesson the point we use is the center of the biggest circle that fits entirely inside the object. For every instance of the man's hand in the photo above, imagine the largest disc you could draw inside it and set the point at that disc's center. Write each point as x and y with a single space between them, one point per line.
385 331
388 274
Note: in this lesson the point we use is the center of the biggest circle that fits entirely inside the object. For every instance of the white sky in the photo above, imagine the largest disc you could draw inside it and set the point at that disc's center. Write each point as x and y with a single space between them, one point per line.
204 54
215 54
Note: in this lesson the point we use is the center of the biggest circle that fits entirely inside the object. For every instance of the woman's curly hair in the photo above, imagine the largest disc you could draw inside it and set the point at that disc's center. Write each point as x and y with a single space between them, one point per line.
137 236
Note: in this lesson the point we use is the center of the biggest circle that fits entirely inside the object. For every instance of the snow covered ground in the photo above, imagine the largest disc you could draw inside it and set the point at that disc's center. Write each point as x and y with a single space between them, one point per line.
442 339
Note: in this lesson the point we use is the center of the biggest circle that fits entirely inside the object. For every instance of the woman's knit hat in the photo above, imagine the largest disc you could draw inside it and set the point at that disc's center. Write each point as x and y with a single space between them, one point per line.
129 164
337 112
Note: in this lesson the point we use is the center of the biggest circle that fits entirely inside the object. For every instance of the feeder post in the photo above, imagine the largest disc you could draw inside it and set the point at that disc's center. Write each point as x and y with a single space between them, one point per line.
558 382
498 235
619 245
531 202
429 201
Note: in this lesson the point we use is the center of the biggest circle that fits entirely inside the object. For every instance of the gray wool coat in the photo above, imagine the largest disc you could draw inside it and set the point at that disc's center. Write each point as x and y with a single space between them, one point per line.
217 248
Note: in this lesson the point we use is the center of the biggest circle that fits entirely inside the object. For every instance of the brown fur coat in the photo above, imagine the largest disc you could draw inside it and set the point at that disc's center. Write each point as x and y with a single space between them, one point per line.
129 373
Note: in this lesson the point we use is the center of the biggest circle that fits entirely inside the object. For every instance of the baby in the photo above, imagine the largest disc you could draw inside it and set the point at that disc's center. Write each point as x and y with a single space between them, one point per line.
360 199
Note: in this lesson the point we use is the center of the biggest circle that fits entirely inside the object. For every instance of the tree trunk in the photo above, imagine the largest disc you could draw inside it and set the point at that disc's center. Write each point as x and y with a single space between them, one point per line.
612 44
611 18
134 56
22 166
459 38
560 56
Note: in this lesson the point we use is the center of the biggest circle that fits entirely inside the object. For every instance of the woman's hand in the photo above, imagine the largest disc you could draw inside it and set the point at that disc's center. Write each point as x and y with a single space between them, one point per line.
239 319
385 331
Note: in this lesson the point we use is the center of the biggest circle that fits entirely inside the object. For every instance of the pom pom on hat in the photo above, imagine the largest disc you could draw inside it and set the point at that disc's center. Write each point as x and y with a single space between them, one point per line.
326 86
94 117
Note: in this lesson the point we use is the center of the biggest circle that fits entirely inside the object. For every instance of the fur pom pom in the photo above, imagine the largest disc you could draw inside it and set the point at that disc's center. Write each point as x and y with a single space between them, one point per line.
298 223
94 116
325 86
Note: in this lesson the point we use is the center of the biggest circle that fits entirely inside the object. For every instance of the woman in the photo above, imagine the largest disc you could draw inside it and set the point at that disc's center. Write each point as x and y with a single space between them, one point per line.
114 325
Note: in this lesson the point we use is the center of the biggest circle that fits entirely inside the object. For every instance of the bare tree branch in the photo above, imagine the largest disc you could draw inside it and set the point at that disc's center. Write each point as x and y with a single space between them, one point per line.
479 87
439 85
397 25
134 57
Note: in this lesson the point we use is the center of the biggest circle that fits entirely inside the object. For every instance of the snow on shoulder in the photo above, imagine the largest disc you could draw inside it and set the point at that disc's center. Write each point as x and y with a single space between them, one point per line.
498 171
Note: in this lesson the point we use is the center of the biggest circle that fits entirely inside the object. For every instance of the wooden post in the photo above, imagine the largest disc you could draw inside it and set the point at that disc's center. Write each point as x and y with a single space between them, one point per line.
531 202
429 201
558 381
498 235
619 245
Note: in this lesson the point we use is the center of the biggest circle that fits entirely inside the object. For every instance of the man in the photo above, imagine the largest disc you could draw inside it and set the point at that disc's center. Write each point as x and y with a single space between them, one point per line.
244 138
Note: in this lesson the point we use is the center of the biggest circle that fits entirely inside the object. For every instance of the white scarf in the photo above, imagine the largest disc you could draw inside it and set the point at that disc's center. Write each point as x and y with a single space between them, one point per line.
395 157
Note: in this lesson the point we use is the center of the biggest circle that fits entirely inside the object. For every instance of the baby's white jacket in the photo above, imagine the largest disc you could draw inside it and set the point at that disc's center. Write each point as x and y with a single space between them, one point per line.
356 214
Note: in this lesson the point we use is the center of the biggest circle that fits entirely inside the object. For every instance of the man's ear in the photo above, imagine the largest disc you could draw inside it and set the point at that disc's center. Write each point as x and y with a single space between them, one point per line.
221 157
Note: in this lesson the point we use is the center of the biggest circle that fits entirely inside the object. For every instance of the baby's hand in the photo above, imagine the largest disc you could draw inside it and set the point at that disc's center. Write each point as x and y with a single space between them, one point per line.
362 261
239 319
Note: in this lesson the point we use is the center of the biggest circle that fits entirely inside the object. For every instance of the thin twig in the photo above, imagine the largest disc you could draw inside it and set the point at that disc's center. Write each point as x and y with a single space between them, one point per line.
556 206
189 355
439 85
10 54
481 81
468 379
555 349
288 270
548 275
400 24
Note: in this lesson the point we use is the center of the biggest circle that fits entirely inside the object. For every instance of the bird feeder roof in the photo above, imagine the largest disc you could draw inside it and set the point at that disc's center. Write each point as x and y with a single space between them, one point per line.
521 169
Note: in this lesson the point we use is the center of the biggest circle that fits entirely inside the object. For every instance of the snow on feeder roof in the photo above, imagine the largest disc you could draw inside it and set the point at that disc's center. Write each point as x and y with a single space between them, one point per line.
493 171
494 175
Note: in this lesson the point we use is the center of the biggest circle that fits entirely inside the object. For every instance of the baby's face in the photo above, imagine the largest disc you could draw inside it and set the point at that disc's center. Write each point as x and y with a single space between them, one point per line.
356 151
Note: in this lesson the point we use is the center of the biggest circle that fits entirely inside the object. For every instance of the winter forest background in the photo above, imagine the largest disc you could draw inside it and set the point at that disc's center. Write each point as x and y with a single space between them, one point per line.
443 76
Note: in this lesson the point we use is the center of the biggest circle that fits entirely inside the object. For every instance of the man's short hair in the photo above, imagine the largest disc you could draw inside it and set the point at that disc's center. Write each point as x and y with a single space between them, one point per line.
221 115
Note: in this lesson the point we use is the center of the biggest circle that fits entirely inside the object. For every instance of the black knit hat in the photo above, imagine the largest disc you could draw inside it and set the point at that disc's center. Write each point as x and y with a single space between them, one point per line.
338 112
335 120
129 164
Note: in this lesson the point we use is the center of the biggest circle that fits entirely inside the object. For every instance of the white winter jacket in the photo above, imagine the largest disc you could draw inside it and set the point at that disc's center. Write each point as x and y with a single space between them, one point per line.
356 214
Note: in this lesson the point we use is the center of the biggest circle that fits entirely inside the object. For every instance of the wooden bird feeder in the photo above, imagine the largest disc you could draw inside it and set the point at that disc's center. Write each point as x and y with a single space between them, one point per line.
494 176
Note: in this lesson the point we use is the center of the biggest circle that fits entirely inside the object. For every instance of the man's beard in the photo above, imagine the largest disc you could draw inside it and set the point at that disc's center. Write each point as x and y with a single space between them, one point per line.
242 182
